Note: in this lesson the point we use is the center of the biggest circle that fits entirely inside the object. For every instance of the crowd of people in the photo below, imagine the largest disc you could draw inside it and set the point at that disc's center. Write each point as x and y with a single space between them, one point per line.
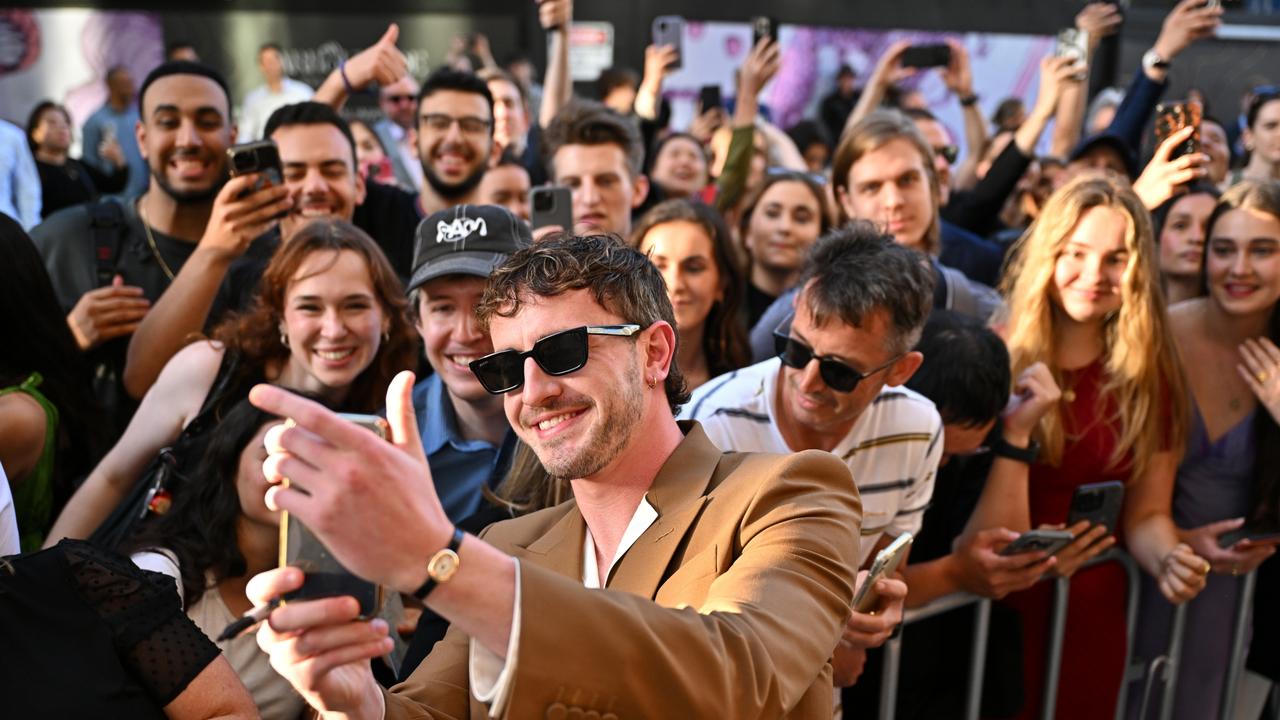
639 466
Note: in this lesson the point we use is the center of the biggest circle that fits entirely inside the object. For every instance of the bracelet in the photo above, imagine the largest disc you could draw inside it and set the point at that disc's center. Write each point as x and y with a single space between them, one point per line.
1002 448
969 100
342 70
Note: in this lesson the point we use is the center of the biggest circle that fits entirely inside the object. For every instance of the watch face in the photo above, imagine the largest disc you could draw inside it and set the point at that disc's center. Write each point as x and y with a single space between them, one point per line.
443 565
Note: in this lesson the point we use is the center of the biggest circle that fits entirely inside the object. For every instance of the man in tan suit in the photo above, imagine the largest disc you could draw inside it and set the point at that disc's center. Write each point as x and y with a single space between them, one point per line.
727 578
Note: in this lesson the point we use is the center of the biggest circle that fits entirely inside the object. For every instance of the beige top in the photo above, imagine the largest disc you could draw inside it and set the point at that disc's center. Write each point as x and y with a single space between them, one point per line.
274 696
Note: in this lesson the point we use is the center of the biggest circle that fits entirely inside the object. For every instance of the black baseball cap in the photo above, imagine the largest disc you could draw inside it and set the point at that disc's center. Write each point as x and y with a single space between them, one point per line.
1112 142
466 240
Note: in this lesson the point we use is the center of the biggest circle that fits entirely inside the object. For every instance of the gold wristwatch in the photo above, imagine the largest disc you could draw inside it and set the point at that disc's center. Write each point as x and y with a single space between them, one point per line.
442 566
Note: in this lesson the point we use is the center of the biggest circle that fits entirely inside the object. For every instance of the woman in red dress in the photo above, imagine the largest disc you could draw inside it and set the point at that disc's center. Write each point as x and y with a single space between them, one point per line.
1084 298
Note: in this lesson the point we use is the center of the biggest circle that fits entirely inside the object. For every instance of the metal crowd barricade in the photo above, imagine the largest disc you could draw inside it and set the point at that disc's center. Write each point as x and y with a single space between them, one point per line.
1235 668
1163 668
977 659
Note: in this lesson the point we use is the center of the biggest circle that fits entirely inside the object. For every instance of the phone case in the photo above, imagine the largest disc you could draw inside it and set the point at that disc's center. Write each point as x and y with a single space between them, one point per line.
886 563
1099 503
1050 541
669 30
325 576
551 206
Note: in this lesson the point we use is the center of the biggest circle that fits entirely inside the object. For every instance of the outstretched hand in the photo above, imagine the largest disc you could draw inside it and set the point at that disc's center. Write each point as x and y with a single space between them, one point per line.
372 503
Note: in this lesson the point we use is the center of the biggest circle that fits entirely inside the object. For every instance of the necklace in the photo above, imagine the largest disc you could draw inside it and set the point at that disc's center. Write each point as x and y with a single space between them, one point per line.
151 241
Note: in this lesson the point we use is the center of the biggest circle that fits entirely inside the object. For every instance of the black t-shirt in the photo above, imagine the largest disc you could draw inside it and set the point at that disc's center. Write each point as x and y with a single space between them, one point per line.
390 216
933 672
758 301
88 634
75 183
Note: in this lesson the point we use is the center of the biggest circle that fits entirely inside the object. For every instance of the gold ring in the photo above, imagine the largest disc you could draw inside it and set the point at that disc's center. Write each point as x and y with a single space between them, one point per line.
1262 376
1207 567
1235 569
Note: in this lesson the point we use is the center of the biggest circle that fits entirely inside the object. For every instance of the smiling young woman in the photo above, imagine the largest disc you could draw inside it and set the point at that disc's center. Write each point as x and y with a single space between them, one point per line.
329 319
1084 298
1229 475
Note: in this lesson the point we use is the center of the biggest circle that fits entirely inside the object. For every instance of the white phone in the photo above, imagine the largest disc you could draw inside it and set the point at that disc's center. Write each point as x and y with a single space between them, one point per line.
886 563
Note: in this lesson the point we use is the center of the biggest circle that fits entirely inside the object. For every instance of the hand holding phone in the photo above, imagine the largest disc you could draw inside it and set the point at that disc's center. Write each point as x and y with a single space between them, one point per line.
885 565
551 206
324 575
1046 541
1098 503
669 30
927 56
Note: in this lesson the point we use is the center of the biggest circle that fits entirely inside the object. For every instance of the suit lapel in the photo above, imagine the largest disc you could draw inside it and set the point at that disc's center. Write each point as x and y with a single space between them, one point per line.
560 548
678 494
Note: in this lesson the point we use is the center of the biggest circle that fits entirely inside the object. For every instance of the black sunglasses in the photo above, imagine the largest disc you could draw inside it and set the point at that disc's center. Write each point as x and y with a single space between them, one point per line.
557 354
948 153
835 373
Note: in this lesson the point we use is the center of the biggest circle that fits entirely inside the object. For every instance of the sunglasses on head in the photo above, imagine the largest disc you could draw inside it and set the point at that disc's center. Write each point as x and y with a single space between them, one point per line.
948 153
557 354
835 373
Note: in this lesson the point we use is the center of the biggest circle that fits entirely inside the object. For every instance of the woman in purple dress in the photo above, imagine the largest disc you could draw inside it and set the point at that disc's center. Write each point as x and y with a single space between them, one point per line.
1227 340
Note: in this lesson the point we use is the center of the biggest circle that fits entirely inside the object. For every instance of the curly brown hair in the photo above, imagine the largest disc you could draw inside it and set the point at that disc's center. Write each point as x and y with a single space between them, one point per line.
255 334
621 279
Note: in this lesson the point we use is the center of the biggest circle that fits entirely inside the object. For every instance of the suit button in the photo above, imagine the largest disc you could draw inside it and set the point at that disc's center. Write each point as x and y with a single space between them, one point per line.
608 716
591 715
556 711
575 713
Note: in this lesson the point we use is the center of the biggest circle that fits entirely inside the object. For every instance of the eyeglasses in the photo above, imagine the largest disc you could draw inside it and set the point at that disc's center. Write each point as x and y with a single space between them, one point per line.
470 125
557 354
948 153
835 373
397 99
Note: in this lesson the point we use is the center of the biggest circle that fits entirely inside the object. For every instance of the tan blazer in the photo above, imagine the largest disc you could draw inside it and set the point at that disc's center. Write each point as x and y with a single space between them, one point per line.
728 606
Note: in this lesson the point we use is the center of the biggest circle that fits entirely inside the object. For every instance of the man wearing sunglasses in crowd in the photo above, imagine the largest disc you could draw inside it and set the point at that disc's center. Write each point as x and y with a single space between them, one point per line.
681 581
836 386
397 131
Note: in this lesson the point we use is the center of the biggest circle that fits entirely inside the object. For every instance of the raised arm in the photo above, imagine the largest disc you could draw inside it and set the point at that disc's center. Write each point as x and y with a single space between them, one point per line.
889 71
1098 20
183 308
555 16
958 77
799 543
380 63
657 63
172 403
762 63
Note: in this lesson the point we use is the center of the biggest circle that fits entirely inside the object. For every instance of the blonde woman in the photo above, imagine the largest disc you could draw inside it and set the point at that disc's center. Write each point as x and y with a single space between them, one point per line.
1084 299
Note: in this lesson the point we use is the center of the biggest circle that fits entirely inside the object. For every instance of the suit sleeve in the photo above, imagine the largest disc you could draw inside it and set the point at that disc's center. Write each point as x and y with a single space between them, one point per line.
752 648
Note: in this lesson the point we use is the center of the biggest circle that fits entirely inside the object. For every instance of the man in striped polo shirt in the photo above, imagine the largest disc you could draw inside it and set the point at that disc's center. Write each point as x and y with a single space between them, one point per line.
836 385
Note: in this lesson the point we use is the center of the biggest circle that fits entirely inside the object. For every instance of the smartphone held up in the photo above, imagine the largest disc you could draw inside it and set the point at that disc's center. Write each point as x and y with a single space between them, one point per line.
324 576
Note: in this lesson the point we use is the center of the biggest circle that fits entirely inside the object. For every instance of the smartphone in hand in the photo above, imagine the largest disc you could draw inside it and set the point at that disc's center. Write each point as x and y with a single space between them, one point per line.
927 56
885 565
1047 541
551 206
669 30
324 575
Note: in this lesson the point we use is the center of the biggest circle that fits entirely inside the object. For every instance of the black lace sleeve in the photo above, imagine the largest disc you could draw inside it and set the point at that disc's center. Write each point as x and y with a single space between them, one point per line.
154 638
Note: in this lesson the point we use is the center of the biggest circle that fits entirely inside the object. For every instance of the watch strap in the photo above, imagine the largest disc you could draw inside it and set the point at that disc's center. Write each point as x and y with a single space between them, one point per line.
1004 449
968 100
430 584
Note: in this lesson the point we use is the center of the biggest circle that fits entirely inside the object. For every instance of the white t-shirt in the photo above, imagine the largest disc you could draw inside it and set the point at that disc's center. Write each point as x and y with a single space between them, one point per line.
10 542
892 450
261 102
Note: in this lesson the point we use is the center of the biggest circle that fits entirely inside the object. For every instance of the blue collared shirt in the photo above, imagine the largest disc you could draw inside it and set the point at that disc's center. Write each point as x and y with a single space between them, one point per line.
459 467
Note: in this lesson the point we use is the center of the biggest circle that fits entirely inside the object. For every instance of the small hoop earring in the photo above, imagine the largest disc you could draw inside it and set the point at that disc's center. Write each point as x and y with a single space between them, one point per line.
651 382
284 339
386 335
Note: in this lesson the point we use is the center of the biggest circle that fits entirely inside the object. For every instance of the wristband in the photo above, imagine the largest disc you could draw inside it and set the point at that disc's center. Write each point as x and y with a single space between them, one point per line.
442 566
1028 454
342 70
969 100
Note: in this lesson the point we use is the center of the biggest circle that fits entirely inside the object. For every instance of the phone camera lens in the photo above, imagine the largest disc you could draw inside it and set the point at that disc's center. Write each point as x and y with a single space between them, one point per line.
543 201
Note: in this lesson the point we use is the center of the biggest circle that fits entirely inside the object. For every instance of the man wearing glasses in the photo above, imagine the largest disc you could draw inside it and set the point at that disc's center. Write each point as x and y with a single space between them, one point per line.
680 582
455 137
397 131
836 386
